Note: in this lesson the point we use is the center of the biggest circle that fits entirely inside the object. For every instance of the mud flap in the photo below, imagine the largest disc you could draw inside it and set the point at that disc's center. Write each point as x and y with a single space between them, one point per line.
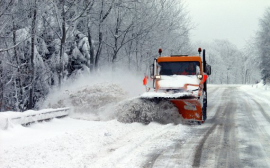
190 109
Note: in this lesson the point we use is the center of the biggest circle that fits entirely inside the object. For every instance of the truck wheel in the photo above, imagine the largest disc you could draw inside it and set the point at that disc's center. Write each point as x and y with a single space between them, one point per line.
204 109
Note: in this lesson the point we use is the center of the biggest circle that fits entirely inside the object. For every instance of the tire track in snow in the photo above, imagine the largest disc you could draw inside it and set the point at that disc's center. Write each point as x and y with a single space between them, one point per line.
200 146
213 104
219 144
229 155
256 143
198 154
127 149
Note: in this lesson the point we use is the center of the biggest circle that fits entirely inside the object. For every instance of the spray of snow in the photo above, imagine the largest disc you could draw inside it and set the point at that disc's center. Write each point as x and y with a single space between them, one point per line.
93 97
107 97
146 111
91 102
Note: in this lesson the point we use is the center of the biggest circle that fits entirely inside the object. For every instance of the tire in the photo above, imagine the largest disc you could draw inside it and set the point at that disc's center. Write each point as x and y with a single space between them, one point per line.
204 112
204 108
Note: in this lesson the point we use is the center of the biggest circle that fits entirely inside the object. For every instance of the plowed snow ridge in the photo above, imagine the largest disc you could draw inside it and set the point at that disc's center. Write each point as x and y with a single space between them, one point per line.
107 101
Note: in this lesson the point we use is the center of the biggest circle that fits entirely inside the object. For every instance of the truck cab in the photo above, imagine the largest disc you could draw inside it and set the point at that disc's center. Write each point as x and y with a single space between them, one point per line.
185 76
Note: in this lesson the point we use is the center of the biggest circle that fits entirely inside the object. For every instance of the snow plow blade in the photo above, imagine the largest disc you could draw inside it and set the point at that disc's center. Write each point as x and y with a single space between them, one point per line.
190 109
188 106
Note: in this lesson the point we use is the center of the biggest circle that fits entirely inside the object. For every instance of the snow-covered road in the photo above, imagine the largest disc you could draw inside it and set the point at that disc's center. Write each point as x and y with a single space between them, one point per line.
236 134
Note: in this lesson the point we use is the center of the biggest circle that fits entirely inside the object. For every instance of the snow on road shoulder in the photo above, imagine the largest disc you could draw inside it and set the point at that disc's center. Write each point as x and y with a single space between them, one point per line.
259 91
76 143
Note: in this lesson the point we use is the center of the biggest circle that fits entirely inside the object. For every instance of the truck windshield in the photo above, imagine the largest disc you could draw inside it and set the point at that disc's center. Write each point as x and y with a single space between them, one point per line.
179 68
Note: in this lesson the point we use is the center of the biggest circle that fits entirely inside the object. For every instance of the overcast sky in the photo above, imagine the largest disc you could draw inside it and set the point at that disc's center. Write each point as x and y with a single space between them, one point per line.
234 20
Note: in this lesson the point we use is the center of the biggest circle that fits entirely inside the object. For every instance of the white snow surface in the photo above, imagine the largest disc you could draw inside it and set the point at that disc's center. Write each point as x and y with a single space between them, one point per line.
92 132
154 94
173 82
177 81
76 143
71 143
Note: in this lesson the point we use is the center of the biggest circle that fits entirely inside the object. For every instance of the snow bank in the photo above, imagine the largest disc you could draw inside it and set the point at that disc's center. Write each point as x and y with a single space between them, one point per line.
260 90
261 85
146 111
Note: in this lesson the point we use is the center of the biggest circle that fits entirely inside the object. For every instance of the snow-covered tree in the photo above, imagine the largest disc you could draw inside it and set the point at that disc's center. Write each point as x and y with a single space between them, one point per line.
263 44
42 43
227 62
251 62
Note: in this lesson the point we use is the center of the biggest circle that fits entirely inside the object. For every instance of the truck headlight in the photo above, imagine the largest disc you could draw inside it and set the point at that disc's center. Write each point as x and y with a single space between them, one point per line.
157 77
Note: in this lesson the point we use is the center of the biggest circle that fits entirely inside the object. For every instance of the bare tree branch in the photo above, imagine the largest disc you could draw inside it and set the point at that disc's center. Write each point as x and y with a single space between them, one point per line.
3 50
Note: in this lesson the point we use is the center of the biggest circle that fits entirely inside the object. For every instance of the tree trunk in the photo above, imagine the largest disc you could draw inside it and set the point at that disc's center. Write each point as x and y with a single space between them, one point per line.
32 68
18 77
115 51
63 41
91 49
98 50
1 86
102 17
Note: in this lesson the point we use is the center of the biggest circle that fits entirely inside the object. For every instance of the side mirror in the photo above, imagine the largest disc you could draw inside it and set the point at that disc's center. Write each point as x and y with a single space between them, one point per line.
208 69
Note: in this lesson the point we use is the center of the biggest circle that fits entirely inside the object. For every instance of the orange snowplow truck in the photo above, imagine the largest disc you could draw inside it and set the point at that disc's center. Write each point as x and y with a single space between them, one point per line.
181 79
